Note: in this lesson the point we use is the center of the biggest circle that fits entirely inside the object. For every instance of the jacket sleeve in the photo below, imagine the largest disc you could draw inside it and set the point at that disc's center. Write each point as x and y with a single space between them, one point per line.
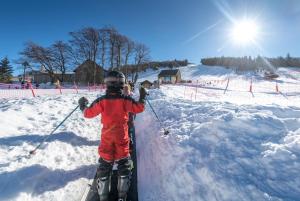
133 106
94 109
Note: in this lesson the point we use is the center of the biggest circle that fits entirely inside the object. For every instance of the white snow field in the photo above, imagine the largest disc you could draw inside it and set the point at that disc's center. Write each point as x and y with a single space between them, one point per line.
229 146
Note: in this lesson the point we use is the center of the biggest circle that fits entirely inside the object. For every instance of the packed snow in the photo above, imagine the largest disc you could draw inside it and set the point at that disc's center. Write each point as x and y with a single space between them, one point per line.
224 144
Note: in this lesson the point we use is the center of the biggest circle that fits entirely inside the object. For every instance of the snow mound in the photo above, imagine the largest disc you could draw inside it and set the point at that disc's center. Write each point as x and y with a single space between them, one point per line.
218 151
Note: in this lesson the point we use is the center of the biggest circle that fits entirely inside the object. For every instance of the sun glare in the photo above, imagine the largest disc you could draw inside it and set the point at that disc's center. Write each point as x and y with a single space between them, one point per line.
244 32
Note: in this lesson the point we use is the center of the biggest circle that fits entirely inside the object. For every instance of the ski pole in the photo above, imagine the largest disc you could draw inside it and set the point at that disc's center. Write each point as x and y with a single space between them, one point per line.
166 132
33 151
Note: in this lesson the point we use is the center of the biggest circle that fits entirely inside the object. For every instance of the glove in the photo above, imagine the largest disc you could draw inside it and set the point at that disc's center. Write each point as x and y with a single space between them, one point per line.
83 102
143 94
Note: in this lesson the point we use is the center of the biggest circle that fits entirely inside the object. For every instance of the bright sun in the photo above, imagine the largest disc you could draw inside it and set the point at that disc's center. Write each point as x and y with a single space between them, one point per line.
244 32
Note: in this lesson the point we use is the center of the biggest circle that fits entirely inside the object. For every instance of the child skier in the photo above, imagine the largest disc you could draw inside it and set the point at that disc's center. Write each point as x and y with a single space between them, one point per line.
114 108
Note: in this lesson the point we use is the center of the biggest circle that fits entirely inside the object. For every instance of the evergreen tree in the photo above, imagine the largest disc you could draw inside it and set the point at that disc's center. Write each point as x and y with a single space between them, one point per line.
5 70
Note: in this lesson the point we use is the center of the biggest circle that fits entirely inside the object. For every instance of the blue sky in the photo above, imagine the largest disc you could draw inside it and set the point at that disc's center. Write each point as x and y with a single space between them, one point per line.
181 29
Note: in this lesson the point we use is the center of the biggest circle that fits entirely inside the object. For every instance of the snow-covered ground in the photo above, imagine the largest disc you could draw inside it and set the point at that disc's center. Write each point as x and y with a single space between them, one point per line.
222 146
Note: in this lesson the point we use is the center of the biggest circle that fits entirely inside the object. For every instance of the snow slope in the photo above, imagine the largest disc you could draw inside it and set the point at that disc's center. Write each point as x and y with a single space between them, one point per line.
233 146
191 72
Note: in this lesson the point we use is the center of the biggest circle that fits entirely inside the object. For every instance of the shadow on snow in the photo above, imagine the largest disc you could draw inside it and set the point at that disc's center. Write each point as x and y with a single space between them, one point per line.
67 137
38 179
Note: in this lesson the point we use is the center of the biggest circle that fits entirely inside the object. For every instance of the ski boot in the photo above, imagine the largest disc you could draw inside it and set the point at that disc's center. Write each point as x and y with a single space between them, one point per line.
103 181
124 175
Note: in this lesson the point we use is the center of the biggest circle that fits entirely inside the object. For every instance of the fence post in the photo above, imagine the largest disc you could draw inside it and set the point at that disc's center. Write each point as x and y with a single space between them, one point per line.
226 86
59 87
250 90
30 85
277 90
75 86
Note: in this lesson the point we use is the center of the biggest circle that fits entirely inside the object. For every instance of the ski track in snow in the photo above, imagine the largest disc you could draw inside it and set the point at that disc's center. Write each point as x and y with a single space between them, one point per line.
220 152
233 146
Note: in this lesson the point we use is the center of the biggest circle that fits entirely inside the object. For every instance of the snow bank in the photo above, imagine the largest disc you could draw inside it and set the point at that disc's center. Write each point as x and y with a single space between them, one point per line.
219 151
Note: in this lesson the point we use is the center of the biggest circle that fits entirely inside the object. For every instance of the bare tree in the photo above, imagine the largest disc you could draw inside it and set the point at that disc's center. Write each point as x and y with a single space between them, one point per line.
103 34
119 45
24 66
113 34
85 44
106 46
40 55
127 51
142 55
61 57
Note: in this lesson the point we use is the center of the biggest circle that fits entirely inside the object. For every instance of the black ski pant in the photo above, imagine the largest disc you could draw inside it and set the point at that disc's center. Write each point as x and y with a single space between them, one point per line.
125 166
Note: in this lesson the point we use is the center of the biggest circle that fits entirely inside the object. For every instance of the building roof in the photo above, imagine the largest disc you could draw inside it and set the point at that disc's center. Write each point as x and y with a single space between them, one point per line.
146 81
88 63
164 73
37 72
66 73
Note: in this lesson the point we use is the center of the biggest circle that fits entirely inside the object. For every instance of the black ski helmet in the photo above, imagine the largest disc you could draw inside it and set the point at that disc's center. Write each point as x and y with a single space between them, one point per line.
115 79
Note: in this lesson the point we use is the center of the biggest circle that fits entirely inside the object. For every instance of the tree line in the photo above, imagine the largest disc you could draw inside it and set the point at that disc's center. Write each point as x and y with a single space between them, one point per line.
249 63
104 46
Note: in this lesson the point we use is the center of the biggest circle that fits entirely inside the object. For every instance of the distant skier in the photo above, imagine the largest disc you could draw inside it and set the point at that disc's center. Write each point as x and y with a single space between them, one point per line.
114 108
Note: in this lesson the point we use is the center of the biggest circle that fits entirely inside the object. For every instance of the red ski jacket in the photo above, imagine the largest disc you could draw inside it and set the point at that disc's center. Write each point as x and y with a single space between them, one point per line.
114 110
